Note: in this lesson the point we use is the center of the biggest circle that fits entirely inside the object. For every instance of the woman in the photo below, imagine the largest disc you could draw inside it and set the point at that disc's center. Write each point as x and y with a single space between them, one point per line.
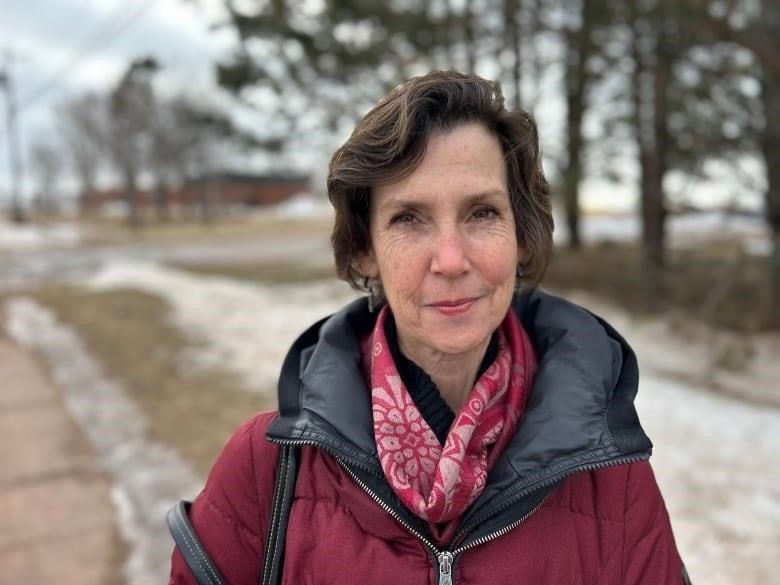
458 426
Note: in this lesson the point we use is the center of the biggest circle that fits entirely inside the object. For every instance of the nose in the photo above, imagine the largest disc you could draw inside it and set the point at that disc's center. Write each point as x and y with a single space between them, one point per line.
450 256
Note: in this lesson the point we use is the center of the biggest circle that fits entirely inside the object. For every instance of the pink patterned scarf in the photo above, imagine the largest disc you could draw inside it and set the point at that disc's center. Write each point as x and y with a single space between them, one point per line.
438 483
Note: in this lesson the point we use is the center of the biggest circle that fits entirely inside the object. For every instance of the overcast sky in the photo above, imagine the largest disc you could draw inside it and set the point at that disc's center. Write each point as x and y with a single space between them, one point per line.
63 48
56 49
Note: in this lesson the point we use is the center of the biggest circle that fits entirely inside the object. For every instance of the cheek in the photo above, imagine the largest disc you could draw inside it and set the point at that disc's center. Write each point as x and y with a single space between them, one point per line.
501 266
403 279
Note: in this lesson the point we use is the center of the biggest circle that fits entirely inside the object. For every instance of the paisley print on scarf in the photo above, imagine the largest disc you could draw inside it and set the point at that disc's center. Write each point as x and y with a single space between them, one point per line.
438 483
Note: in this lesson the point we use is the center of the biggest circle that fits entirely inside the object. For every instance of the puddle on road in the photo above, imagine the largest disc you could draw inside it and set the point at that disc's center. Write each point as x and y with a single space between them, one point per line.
148 477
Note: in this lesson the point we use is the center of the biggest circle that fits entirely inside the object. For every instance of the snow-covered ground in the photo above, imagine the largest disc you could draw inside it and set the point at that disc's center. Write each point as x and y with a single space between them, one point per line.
716 463
242 327
715 456
302 206
33 237
683 230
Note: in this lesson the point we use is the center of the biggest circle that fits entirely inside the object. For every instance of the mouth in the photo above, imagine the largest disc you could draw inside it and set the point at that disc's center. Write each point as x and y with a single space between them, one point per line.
454 306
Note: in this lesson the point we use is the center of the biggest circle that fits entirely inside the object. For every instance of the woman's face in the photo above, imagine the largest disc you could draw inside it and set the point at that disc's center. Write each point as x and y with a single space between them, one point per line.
443 244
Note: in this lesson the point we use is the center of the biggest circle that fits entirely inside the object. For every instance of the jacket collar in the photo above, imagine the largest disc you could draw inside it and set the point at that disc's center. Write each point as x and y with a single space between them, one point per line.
580 413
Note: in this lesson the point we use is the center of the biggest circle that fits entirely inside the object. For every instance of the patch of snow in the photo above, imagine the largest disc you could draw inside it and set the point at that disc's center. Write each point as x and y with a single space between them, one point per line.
148 477
33 237
714 459
242 327
303 206
714 455
682 348
684 230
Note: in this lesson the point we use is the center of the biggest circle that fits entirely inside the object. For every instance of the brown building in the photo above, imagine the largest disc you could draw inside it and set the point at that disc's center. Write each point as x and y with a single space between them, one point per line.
222 190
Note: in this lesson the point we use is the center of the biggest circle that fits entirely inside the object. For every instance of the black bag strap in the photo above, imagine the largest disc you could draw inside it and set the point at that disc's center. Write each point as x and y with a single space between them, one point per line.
199 561
190 547
280 514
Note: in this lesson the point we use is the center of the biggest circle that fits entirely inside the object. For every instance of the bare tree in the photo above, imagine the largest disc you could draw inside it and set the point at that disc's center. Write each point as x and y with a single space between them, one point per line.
202 137
46 166
166 149
131 114
82 125
196 145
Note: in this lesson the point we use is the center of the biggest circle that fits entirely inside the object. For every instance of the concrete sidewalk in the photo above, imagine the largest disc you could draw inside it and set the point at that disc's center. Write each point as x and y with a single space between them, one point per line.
56 516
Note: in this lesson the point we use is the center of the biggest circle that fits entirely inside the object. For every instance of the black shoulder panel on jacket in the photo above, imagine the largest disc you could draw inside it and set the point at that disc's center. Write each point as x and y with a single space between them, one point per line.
548 318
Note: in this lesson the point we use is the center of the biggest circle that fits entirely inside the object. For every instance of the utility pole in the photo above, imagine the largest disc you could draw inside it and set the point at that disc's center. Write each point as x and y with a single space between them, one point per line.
14 162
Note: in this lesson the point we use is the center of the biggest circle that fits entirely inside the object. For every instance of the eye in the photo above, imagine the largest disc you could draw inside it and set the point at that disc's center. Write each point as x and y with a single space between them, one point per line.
403 217
485 212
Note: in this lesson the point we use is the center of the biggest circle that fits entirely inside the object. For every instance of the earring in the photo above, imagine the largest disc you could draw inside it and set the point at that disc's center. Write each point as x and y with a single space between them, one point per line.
373 293
519 272
373 297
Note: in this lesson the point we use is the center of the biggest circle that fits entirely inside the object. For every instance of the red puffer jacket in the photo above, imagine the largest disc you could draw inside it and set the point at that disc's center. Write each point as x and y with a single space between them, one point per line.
571 501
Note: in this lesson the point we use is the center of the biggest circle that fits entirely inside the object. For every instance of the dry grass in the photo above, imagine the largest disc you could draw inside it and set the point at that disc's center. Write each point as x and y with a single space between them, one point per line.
112 231
267 273
128 333
719 285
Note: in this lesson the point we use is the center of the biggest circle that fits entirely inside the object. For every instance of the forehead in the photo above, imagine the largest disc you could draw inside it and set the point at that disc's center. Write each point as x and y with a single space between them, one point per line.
462 163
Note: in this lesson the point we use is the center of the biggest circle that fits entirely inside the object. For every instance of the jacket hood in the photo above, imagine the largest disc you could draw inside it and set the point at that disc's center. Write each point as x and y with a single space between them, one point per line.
580 413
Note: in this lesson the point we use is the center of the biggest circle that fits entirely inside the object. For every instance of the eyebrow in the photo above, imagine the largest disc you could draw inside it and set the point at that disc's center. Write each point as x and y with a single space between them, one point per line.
407 201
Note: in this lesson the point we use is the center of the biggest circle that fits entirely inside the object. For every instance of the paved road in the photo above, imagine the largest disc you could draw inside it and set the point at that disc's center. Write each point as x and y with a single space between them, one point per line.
56 515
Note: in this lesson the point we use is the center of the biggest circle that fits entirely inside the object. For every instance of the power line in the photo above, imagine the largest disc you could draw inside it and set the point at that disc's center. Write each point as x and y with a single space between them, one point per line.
103 37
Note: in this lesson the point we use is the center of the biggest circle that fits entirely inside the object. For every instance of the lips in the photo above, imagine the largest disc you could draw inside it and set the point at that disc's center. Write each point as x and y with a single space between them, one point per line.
454 306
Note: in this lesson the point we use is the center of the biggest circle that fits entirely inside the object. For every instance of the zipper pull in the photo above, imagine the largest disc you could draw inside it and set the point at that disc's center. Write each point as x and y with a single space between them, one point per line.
445 568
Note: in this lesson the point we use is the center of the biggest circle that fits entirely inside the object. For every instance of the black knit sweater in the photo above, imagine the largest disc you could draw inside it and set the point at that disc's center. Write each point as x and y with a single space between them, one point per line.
423 391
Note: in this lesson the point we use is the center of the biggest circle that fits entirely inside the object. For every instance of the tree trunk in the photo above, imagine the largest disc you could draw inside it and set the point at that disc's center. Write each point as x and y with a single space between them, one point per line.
656 210
651 77
85 195
512 42
770 142
572 174
205 200
468 34
770 148
84 202
131 196
578 49
450 35
161 201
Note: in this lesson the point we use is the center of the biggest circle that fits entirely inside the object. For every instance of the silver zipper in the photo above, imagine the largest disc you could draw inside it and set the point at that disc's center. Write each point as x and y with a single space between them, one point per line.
387 508
445 567
591 467
501 532
446 559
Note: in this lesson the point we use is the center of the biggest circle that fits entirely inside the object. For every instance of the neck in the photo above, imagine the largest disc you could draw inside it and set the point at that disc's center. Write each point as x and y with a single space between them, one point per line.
453 374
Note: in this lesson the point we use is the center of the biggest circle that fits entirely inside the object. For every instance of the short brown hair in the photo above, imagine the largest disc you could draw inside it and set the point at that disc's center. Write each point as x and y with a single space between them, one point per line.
389 142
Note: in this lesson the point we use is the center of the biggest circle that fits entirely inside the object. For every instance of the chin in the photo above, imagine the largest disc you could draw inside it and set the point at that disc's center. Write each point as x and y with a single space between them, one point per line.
459 346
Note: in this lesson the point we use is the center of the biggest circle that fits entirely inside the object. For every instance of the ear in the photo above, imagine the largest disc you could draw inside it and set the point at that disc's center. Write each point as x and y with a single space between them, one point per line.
368 265
521 255
520 266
